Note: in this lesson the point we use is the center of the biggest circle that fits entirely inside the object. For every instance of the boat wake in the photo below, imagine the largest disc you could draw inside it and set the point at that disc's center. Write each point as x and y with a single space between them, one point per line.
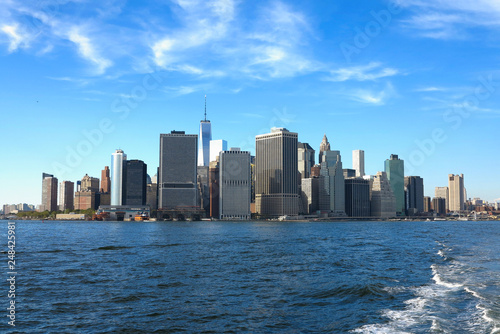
453 301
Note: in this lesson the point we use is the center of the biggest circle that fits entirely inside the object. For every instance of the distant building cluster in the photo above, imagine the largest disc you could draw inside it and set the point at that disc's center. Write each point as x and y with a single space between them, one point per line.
199 177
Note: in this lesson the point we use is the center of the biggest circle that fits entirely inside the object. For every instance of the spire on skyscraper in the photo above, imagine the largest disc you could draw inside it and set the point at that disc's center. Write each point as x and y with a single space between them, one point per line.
205 107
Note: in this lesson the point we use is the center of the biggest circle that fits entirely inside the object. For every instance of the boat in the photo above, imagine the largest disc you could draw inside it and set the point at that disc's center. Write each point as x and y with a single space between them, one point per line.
141 216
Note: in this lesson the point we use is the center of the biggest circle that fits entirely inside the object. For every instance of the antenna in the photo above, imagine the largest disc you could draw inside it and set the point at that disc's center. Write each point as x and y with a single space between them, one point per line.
205 107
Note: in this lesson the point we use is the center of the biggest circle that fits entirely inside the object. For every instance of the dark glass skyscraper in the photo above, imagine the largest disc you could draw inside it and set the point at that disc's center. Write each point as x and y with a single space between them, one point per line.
134 182
395 169
49 192
178 170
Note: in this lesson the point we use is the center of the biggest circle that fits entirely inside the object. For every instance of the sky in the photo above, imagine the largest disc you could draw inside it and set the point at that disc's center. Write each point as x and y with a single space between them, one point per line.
416 78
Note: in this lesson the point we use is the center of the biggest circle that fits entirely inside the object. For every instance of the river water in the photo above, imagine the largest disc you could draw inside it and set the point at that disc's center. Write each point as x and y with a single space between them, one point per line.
254 277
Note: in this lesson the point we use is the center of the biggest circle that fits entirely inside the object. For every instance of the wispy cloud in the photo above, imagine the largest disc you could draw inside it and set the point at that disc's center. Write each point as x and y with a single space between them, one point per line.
373 97
372 71
431 89
450 19
16 38
87 50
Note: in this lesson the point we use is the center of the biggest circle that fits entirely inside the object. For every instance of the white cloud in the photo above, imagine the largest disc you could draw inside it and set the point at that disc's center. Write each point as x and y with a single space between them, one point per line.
431 89
16 39
87 50
372 71
368 96
450 19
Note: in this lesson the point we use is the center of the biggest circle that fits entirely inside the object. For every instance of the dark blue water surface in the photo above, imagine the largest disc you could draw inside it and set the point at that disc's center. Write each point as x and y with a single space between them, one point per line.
255 277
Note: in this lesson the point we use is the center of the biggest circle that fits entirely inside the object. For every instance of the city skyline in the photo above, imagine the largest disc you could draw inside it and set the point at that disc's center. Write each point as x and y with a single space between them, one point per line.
418 80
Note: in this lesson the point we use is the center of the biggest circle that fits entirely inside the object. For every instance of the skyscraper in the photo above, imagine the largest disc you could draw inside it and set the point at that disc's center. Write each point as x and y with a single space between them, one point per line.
117 161
105 180
442 192
134 182
332 182
324 146
204 140
358 162
382 198
66 195
90 183
414 194
276 173
49 192
357 197
306 159
177 172
217 146
395 170
214 178
456 192
235 185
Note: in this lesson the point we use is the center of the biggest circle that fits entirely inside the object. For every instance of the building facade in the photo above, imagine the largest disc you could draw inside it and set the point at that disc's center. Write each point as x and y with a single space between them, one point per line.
89 183
427 204
235 185
177 176
358 162
383 202
117 162
276 173
456 191
439 206
134 182
204 138
49 192
217 146
332 194
395 170
214 178
357 197
305 155
66 195
443 192
105 180
414 195
310 194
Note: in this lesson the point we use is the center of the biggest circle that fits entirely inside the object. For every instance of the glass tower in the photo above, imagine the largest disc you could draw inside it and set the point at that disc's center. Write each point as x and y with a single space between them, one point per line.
204 140
117 160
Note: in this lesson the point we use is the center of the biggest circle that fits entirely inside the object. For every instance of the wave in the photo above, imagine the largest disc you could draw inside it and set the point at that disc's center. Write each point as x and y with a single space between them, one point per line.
358 290
437 278
111 248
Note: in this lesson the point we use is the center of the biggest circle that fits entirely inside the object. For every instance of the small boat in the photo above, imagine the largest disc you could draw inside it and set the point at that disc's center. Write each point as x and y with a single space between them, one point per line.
142 216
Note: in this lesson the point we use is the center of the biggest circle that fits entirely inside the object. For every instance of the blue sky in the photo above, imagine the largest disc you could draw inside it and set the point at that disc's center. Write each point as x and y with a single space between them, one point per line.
416 78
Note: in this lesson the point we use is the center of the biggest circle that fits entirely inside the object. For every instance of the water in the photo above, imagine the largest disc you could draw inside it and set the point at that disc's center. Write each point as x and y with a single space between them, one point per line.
255 277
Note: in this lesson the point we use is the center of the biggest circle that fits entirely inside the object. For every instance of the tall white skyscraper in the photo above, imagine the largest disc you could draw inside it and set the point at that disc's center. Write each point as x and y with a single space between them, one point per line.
217 146
358 162
204 140
117 161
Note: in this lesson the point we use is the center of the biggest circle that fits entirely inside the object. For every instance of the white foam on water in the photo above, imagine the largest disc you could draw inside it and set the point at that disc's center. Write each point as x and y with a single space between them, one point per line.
437 278
474 293
441 253
400 321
